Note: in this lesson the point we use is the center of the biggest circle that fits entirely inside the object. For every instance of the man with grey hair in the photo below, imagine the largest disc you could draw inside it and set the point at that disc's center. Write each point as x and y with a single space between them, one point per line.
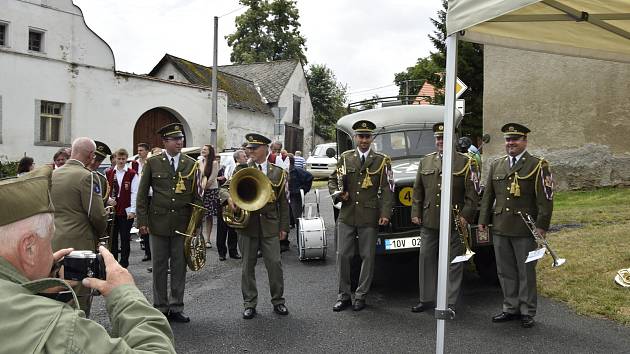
35 316
79 211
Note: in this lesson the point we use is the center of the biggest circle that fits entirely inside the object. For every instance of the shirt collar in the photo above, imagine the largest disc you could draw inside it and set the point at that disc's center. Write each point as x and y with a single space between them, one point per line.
518 157
124 169
364 153
10 273
169 156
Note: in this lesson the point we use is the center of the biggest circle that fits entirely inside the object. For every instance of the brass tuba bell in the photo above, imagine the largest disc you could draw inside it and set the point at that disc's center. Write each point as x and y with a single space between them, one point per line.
250 190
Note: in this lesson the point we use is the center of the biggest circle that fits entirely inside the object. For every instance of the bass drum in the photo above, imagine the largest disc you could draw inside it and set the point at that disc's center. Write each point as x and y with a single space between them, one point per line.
311 239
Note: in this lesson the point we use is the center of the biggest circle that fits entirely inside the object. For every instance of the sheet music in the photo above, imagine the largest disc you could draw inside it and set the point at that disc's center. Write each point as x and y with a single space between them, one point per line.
463 258
535 255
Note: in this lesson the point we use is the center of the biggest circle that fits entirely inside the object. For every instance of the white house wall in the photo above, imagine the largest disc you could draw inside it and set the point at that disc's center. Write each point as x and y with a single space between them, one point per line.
241 122
99 103
297 86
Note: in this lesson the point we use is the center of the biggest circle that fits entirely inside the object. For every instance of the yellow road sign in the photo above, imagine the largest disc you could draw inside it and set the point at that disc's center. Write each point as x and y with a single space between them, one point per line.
460 87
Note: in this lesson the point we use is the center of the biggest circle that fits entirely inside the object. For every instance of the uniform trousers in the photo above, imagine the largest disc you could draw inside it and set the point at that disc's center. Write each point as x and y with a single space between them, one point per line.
270 248
122 227
225 232
428 265
517 278
168 250
346 238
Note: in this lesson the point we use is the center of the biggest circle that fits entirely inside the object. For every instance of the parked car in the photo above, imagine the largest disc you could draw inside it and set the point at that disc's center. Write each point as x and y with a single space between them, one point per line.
319 164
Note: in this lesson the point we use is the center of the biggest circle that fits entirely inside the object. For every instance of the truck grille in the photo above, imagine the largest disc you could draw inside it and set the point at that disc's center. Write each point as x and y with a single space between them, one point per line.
401 219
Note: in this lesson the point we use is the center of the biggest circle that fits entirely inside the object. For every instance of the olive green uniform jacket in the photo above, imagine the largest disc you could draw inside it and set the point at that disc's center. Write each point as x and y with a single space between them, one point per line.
427 189
365 205
534 195
79 211
168 211
36 324
274 216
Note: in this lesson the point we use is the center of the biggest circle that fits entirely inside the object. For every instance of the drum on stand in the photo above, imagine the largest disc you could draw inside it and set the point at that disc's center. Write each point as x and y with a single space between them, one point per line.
312 238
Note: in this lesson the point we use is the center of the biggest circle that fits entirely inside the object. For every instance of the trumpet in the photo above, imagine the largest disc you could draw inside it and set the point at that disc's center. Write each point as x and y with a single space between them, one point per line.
540 240
463 233
106 240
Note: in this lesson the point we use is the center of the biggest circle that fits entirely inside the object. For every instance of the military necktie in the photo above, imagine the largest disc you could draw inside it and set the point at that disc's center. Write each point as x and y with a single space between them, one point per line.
173 164
513 161
362 160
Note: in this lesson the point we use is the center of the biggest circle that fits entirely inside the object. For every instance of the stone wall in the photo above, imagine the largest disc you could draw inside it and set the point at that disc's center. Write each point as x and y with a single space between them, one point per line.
578 110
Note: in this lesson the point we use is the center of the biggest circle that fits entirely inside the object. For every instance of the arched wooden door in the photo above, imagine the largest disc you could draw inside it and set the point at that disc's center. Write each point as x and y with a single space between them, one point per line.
148 124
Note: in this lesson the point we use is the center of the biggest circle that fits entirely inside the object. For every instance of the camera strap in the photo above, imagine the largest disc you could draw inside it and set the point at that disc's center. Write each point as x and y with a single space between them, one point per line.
36 287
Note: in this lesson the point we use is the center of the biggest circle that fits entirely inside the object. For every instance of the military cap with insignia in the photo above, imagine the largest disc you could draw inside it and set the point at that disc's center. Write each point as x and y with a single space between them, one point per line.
363 127
255 140
512 129
173 130
102 150
438 129
25 196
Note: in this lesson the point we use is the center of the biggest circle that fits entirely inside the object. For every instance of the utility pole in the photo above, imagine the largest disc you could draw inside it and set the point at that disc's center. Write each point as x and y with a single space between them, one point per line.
215 124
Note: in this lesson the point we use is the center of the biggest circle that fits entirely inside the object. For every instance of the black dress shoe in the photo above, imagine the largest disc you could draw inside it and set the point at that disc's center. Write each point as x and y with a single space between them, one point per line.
146 258
178 317
235 256
504 317
259 254
281 309
358 305
420 307
249 313
341 305
150 269
527 321
221 258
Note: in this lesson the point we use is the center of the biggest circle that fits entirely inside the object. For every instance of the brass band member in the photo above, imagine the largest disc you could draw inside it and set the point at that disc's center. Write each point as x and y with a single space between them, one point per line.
517 182
265 227
366 202
173 178
425 211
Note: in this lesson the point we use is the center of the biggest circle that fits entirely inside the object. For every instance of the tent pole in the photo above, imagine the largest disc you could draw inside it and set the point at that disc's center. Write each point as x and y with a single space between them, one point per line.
442 312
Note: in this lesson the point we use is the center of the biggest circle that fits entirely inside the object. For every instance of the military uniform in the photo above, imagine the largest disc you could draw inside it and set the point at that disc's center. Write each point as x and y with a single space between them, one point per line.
79 214
32 323
370 196
262 232
168 210
426 206
525 187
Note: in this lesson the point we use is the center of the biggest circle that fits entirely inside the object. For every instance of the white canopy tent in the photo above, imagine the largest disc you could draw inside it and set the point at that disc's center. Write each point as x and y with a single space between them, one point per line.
597 29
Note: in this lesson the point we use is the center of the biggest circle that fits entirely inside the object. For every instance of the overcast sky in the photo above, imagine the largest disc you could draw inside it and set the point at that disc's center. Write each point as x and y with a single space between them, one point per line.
364 42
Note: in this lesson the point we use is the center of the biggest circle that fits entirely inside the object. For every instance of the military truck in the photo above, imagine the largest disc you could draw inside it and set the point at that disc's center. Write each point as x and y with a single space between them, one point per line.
405 134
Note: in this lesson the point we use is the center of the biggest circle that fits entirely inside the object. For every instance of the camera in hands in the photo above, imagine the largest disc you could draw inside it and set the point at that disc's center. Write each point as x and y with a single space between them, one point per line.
83 264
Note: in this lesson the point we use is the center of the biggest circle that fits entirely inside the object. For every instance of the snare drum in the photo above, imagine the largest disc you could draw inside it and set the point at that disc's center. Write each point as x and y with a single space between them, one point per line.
312 238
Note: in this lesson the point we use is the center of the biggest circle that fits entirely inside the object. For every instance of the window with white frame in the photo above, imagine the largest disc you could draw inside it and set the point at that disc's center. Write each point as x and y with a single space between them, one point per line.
3 34
51 120
35 40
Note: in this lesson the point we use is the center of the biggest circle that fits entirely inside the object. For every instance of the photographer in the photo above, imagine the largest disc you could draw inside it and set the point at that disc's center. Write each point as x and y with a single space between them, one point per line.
33 314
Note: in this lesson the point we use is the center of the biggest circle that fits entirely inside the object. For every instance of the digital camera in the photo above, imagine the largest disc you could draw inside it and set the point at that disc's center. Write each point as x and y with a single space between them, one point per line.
83 264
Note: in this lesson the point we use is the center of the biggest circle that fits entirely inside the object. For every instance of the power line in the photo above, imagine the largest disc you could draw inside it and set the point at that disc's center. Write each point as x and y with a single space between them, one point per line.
233 11
372 89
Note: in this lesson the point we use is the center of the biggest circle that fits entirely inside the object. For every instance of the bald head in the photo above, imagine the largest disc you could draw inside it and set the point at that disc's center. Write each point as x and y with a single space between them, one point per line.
83 150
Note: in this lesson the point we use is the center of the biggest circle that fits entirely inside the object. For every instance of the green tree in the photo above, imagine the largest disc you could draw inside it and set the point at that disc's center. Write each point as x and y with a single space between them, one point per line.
469 70
267 31
328 98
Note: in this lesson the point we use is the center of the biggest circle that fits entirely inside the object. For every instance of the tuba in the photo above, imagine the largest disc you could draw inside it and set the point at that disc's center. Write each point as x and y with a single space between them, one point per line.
194 243
250 190
540 240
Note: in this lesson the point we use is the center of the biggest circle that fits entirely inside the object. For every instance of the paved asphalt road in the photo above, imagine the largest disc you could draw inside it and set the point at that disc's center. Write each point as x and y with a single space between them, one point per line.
214 303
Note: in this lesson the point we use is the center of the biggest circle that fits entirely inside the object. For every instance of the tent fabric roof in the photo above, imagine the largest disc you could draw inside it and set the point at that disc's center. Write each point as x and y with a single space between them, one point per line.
242 93
594 29
271 77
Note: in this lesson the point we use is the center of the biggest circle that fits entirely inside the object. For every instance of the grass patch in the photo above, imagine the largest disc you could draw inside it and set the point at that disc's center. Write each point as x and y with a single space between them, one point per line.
594 253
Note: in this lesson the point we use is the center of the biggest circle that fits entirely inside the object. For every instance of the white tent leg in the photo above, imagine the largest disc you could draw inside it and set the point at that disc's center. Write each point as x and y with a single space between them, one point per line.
441 310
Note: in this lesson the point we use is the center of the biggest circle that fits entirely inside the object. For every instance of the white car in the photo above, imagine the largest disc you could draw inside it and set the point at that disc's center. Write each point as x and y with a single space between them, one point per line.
320 165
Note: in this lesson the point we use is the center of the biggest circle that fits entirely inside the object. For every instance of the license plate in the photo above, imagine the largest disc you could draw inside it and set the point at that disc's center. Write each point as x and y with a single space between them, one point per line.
401 243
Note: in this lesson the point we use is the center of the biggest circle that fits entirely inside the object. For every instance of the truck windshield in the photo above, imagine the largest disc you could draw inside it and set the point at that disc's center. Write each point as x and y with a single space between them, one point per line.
405 144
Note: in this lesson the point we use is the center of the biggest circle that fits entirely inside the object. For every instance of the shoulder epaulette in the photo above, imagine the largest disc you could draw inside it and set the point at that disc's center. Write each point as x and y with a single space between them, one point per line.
153 157
500 158
380 154
348 151
100 173
188 157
